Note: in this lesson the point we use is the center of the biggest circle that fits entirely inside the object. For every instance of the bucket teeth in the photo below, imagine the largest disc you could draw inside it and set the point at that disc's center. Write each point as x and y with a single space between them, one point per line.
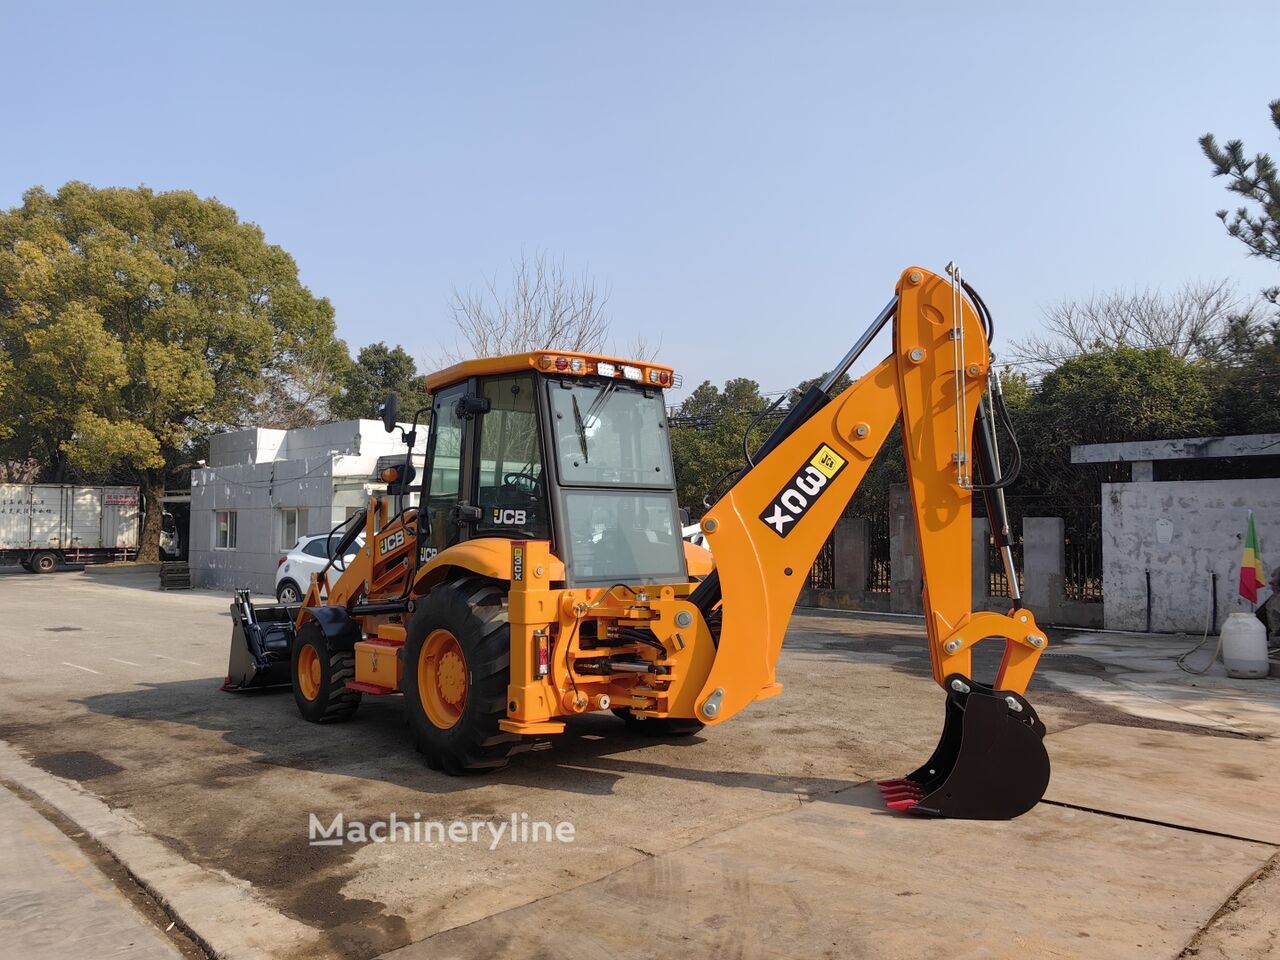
901 805
902 790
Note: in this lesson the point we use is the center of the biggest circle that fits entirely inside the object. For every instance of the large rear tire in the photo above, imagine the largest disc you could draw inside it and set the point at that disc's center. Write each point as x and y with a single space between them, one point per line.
44 561
320 677
457 664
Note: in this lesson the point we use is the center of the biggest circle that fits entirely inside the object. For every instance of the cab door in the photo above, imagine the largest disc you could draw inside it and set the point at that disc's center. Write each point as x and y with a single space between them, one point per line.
510 485
446 462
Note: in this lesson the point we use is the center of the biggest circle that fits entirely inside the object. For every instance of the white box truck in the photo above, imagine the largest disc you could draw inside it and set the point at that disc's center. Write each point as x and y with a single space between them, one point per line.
46 525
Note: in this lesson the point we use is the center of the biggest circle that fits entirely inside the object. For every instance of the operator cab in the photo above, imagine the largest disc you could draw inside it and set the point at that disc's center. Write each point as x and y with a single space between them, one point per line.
562 447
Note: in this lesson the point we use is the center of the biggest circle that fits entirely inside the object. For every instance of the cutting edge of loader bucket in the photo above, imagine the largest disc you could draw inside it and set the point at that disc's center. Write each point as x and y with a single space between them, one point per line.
261 645
990 762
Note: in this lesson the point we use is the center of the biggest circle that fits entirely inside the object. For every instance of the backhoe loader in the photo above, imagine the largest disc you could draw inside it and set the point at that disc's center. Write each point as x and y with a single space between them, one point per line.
541 572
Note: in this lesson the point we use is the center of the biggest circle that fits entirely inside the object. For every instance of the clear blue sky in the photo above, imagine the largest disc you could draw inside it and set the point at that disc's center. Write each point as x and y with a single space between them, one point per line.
748 179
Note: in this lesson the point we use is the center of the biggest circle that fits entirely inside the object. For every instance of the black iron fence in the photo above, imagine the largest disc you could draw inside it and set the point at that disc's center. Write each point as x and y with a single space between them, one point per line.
1082 569
879 573
1082 562
822 575
997 575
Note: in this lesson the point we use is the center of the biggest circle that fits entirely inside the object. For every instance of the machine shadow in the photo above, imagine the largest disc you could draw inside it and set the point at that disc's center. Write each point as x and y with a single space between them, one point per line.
590 757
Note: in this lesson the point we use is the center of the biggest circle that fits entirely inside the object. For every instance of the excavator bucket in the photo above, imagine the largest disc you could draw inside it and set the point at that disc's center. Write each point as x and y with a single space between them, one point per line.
990 763
261 644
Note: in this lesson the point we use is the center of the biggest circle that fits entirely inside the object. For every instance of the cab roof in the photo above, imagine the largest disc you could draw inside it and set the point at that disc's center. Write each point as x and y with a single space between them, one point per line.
558 362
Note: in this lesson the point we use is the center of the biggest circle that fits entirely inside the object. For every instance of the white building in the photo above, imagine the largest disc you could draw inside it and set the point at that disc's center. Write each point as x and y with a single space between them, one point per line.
262 489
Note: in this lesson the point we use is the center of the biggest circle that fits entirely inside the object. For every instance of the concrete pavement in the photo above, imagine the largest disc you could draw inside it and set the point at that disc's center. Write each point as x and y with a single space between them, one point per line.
54 901
756 838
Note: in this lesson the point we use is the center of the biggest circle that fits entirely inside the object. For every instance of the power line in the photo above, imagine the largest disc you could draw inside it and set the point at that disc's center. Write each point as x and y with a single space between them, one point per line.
270 483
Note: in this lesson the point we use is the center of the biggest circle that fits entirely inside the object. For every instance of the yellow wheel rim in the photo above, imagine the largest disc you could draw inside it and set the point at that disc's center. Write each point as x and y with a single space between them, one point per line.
442 679
309 676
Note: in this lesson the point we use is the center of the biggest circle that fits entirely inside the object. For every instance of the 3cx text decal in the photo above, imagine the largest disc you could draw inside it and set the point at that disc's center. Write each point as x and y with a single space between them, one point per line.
517 562
795 499
387 544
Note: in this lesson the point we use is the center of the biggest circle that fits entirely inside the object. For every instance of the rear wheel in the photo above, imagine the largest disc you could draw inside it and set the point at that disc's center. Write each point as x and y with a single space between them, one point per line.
288 592
660 726
46 561
457 661
320 677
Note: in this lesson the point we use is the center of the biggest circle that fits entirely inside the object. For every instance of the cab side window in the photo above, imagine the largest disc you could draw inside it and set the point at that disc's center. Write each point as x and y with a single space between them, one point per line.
511 490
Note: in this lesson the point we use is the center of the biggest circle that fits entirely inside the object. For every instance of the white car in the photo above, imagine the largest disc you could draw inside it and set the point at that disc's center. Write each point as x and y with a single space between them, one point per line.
308 556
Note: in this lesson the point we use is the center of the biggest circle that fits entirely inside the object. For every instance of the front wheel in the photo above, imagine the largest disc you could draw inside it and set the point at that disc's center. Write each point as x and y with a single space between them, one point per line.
457 661
320 677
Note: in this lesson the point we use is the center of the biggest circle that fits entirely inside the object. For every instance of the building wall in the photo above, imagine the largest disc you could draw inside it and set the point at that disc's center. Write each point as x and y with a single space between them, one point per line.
257 492
327 472
1203 522
345 438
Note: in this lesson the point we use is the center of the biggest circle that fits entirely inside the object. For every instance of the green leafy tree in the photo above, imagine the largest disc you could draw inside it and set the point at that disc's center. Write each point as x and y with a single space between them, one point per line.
377 371
1256 223
1112 395
134 324
1248 395
706 437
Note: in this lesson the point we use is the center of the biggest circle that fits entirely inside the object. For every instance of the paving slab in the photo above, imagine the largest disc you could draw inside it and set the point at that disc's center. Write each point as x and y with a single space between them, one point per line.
1139 675
1248 925
1227 785
841 877
55 903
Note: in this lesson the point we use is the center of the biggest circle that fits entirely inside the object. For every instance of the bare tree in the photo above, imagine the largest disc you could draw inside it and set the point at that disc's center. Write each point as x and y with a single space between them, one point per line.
1193 322
637 347
295 397
543 306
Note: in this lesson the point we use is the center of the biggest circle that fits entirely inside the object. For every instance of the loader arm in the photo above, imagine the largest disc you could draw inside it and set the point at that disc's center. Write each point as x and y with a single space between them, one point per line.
767 530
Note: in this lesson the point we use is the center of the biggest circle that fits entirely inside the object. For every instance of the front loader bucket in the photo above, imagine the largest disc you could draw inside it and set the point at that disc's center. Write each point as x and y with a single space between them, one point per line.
989 764
261 645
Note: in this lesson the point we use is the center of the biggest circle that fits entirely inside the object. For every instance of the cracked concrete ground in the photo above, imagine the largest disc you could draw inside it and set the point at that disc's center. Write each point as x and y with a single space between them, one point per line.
756 838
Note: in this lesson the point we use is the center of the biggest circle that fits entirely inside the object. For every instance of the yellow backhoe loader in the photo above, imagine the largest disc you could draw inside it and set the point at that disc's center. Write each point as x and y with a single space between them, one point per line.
541 573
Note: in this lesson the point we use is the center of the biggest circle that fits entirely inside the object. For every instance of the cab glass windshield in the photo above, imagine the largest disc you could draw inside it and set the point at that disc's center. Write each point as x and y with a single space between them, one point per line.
610 434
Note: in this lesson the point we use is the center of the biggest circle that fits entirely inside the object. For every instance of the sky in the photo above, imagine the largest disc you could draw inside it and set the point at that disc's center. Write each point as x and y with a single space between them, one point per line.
747 180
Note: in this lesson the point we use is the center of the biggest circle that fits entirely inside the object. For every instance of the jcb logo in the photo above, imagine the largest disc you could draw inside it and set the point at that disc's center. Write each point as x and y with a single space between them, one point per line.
509 518
387 544
795 499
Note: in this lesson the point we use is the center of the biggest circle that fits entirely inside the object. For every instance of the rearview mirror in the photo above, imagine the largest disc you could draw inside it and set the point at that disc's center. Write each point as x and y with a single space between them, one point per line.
390 412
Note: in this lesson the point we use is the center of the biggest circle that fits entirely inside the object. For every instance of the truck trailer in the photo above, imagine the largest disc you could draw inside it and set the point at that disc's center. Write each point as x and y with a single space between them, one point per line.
46 525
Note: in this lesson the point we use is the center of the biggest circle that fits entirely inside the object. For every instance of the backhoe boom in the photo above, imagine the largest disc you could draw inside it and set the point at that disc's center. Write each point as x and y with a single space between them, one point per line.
768 528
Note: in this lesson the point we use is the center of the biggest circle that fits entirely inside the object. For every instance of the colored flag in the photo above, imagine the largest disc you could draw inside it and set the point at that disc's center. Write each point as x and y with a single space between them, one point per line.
1251 575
